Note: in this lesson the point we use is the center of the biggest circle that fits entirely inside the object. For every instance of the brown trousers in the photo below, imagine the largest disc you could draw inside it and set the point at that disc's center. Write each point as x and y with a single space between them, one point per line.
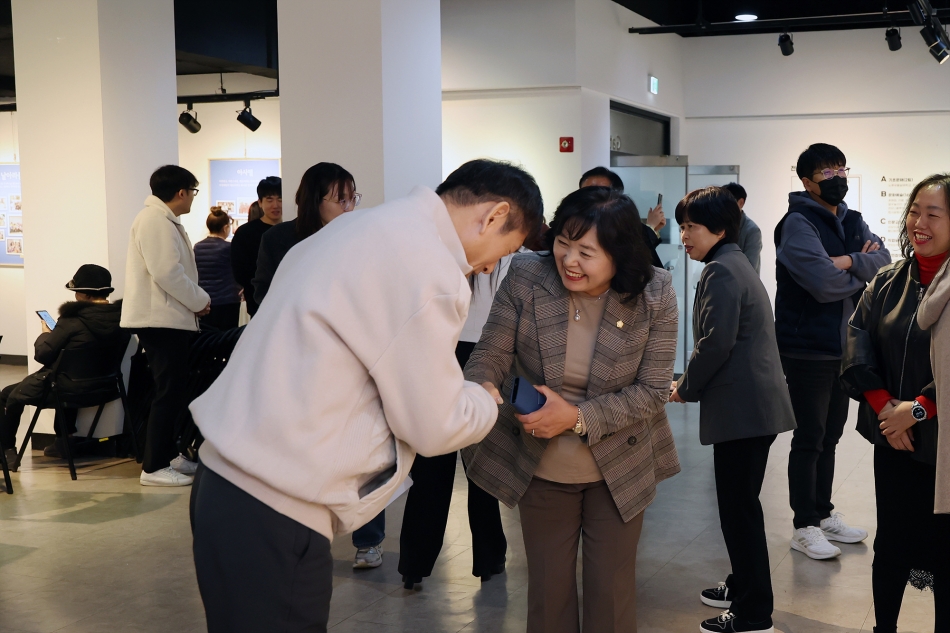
553 517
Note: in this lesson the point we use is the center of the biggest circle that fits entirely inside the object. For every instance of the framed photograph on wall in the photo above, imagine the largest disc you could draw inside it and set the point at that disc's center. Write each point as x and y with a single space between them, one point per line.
11 216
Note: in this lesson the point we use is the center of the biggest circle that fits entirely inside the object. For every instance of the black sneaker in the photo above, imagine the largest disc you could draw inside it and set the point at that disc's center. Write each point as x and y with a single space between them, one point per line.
717 597
727 622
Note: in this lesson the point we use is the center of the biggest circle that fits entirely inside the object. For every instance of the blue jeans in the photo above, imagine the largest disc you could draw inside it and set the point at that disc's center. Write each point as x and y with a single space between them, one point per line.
371 534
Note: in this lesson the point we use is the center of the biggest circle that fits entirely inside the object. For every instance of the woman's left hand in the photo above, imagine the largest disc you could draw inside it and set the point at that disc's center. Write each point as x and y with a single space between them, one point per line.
675 394
898 419
556 416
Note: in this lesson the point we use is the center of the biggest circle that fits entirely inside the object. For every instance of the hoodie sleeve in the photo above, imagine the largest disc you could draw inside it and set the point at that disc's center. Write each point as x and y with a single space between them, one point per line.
427 402
158 244
801 252
866 265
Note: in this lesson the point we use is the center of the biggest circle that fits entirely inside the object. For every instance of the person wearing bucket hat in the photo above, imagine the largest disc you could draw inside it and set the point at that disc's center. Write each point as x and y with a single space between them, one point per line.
91 318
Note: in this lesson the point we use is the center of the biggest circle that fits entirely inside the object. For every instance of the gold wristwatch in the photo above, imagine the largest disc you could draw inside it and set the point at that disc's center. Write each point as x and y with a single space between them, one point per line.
579 427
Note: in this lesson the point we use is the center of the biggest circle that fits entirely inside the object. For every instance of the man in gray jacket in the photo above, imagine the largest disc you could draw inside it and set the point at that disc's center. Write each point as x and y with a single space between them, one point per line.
826 255
750 236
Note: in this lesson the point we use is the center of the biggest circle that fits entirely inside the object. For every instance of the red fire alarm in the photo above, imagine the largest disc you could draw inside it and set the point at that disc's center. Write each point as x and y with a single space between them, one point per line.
567 143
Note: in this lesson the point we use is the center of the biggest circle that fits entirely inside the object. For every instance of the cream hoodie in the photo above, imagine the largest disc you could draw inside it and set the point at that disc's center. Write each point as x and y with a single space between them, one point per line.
933 315
161 278
349 368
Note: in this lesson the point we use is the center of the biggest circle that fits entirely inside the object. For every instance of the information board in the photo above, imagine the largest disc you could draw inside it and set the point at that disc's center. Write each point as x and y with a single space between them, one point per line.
233 183
11 216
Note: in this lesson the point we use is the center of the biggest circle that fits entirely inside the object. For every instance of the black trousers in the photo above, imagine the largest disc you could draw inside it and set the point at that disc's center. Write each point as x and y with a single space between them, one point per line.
821 410
740 469
167 351
427 512
9 417
258 570
222 317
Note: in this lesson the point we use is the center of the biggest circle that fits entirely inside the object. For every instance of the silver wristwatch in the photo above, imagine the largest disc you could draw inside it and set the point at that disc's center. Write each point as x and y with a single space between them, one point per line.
918 411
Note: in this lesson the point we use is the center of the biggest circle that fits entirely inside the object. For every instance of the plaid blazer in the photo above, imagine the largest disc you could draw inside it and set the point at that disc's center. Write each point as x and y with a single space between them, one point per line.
629 384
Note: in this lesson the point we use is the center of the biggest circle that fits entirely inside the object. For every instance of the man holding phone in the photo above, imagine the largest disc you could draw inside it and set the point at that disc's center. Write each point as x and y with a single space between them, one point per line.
88 319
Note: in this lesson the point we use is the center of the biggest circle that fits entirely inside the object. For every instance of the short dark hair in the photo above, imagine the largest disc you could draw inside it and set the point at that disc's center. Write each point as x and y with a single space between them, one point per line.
817 157
270 186
616 183
317 182
936 180
484 180
168 180
619 231
713 207
737 190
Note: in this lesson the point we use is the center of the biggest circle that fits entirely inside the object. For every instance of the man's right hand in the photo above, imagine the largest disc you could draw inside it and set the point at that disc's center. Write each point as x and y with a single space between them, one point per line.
207 309
493 392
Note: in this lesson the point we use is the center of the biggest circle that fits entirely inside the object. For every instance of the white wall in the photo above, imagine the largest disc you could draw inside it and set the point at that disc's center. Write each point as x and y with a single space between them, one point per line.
748 105
523 128
12 299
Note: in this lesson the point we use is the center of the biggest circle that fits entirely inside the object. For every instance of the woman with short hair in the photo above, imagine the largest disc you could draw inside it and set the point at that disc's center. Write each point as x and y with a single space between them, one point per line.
593 324
886 368
735 373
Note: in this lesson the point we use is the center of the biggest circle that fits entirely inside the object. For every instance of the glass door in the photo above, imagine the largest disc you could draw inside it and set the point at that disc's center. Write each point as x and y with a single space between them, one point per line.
645 178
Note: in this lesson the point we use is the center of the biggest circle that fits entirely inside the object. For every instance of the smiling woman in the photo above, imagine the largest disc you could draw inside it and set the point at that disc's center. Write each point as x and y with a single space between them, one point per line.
593 324
886 367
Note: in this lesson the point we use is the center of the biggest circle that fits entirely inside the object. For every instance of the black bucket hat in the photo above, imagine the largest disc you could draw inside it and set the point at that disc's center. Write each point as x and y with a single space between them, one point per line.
91 279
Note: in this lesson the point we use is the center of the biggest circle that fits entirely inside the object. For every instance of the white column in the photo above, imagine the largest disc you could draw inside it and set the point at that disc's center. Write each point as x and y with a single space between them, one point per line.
96 106
361 86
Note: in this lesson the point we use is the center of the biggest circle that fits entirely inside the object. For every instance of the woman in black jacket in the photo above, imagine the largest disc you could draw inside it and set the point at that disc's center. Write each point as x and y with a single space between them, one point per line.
89 319
886 367
326 192
215 276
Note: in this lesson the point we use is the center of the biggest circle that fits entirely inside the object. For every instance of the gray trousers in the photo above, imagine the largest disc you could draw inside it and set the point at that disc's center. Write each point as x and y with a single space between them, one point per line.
553 518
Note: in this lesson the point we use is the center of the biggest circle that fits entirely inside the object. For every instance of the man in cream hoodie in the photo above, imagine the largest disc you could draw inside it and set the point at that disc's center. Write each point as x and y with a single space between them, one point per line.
347 371
162 304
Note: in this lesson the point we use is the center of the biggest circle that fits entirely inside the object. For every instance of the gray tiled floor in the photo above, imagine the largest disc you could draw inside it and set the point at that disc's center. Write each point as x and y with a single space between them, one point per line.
104 554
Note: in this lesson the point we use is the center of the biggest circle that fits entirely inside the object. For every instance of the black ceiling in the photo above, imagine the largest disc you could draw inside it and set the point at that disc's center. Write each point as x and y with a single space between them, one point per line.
677 12
211 36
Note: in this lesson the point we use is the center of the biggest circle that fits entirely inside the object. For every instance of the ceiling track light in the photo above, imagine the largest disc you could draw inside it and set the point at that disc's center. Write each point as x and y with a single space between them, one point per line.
247 119
893 37
189 119
920 11
935 36
786 44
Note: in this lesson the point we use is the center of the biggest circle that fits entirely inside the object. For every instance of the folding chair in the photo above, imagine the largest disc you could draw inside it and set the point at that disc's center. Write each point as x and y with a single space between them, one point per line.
89 376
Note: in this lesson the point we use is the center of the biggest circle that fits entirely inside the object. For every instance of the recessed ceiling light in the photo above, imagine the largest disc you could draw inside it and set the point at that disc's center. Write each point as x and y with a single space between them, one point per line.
746 17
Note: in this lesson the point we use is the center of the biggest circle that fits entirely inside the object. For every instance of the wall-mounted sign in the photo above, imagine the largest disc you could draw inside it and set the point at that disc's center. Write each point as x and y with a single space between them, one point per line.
11 216
233 183
654 85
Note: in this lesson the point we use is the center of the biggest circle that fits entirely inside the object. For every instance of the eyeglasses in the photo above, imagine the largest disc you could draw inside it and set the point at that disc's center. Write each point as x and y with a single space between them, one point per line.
192 189
348 204
831 173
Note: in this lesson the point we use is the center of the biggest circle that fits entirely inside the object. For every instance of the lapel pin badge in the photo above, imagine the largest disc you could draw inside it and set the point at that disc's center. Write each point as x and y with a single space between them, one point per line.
620 324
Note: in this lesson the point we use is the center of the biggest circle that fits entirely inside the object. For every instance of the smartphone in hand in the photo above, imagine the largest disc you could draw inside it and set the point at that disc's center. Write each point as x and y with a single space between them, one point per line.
47 318
525 398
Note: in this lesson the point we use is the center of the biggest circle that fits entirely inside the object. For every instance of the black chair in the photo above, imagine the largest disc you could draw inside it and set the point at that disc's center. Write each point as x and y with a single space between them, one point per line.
89 376
4 465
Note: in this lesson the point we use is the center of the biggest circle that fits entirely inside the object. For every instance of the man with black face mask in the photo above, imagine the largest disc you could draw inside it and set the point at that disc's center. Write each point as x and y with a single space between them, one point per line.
825 256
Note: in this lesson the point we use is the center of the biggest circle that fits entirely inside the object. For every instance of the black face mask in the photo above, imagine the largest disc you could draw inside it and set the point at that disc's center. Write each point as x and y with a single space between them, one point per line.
833 190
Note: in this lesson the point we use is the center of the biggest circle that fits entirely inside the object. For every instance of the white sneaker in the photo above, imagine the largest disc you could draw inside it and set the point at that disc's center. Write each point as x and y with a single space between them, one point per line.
811 542
165 477
836 529
184 465
368 557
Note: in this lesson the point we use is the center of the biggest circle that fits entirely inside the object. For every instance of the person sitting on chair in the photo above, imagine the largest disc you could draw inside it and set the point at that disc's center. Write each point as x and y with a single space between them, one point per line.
88 319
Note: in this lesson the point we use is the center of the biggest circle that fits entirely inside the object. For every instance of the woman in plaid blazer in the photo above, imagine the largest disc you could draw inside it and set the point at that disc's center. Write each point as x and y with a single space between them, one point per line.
593 324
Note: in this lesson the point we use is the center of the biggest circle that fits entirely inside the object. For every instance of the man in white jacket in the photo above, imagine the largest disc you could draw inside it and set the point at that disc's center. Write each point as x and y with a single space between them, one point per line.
345 373
162 304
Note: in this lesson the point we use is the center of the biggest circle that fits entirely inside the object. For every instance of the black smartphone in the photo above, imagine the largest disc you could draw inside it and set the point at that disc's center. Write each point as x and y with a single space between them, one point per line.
47 318
525 398
659 199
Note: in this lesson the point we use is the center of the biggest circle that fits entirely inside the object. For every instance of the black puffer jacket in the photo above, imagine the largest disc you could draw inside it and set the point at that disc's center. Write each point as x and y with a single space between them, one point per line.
886 349
80 323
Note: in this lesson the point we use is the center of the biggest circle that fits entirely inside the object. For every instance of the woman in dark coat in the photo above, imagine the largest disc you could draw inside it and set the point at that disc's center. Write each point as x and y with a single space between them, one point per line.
88 319
886 367
735 374
215 275
326 192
